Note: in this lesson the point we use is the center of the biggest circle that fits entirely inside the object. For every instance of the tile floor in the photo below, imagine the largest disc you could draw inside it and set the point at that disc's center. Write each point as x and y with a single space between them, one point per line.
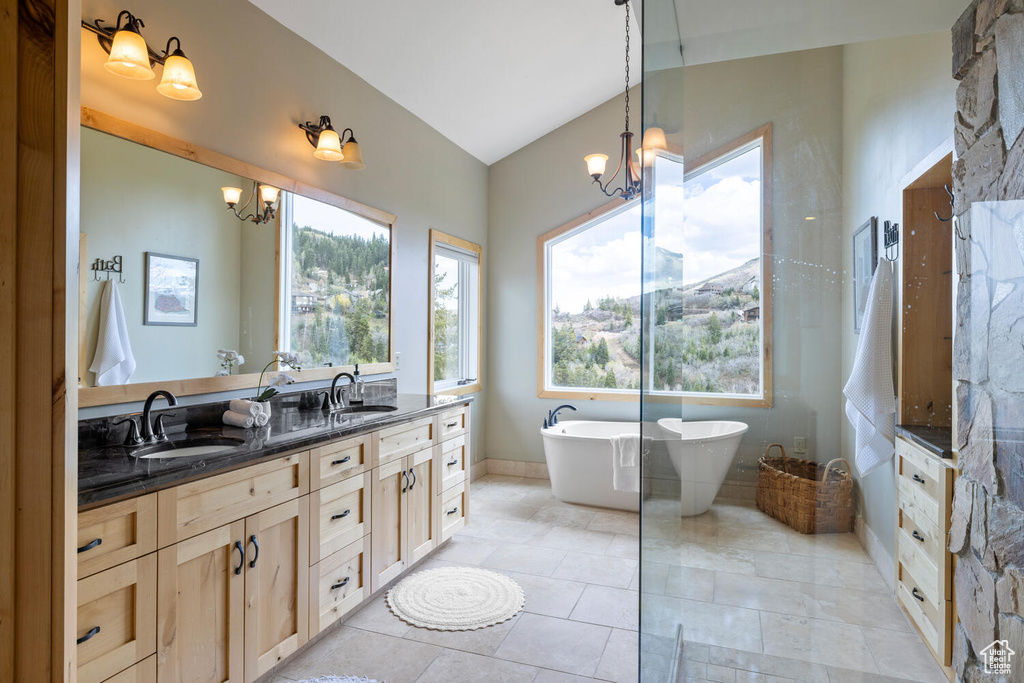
747 598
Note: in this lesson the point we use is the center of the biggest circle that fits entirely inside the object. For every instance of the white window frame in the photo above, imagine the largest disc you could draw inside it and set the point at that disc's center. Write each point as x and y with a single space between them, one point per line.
470 258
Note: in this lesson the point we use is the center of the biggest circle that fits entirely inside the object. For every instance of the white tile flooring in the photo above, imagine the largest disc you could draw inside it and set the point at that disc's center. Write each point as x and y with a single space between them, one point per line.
755 601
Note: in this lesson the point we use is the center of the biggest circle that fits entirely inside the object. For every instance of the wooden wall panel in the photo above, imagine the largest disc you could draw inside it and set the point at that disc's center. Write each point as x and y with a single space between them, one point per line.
39 77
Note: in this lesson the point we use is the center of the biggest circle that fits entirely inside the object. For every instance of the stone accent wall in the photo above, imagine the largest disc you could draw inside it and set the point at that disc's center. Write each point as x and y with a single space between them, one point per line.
988 359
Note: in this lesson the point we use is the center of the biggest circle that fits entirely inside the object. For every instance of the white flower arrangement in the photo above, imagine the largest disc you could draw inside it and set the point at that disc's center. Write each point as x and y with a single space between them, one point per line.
288 358
229 358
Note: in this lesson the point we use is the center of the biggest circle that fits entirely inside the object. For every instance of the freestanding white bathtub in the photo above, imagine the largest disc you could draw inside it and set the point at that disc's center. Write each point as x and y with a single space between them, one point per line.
701 453
579 456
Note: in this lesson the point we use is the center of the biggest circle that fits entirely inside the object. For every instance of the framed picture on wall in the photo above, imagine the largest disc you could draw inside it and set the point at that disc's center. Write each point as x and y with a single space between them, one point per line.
172 290
865 260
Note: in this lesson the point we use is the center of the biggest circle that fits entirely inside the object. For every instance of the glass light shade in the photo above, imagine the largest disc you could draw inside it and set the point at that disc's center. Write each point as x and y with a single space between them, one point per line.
654 138
179 79
353 156
596 163
328 147
129 56
646 156
232 195
268 194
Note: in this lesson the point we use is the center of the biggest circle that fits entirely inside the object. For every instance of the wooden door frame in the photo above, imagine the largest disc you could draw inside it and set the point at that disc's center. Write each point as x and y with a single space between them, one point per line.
39 153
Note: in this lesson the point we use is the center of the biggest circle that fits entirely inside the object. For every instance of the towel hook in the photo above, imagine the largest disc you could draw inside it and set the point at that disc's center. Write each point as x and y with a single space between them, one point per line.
891 232
952 205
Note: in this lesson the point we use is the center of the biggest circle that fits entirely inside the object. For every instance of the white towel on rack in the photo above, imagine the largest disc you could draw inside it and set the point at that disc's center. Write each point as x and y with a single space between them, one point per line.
870 397
113 362
626 462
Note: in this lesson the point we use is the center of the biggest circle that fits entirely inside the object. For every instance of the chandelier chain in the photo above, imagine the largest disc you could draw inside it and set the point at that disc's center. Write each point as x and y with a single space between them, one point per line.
626 5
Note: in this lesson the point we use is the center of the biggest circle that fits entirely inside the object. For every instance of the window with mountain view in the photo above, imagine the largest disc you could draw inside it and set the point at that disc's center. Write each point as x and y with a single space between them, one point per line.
336 269
704 286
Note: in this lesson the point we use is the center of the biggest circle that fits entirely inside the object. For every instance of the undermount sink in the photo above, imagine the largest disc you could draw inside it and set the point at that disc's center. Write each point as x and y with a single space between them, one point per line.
190 448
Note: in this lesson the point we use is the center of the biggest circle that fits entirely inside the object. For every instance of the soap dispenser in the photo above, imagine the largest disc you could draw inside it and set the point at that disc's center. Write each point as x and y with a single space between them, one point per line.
357 388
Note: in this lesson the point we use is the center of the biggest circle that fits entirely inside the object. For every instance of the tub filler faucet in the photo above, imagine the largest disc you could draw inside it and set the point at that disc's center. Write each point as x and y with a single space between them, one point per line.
552 418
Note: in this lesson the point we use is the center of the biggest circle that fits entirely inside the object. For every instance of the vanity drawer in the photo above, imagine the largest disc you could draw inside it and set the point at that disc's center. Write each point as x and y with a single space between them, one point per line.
453 511
452 423
143 672
339 460
452 457
113 534
924 536
925 482
118 608
338 584
339 515
913 560
189 509
934 623
401 440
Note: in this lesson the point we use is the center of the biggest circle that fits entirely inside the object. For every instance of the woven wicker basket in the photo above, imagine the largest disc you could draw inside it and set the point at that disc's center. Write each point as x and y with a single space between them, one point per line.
811 498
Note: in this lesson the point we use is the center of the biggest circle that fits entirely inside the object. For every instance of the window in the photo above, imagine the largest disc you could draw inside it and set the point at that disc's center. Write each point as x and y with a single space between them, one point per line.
705 297
455 300
336 293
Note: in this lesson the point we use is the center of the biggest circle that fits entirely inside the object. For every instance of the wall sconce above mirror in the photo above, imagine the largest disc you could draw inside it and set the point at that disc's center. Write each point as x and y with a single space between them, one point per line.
131 57
328 144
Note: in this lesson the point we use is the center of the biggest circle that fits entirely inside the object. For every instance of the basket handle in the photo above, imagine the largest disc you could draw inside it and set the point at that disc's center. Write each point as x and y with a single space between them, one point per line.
828 467
767 451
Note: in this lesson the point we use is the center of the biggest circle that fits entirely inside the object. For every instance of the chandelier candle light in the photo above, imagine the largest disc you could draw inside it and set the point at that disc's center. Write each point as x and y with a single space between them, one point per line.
268 196
654 139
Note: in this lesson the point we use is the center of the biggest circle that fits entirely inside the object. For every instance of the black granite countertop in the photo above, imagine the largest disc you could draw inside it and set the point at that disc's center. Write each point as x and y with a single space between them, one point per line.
107 473
937 440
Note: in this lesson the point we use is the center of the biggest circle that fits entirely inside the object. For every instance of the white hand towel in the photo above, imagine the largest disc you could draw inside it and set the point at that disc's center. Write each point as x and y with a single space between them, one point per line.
262 419
626 462
238 420
871 400
114 362
245 407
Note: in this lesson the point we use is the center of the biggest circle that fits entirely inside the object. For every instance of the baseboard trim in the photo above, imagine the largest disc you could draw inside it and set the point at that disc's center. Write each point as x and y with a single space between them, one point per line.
884 562
516 468
477 470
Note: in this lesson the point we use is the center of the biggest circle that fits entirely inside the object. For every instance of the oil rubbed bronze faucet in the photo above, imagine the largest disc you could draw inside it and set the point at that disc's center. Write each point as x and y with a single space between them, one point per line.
333 400
154 431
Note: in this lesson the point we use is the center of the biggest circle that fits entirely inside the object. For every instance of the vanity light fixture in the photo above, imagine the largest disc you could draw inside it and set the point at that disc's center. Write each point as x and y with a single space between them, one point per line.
328 144
268 196
131 57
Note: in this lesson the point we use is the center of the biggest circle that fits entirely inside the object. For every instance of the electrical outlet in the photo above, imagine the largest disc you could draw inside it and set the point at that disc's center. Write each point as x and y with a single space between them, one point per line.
398 359
800 444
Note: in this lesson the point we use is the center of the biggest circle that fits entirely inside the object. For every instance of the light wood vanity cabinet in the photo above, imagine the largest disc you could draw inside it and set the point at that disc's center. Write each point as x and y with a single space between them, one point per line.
219 580
924 567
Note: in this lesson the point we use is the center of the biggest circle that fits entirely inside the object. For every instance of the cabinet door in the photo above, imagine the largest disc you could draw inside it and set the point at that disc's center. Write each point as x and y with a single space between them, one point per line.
388 555
422 504
201 608
276 585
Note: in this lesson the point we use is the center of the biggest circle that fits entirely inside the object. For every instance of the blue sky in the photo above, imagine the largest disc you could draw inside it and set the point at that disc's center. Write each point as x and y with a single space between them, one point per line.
331 219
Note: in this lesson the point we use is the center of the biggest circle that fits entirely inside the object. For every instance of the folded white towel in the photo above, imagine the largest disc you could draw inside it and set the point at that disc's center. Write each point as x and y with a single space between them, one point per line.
262 419
626 462
114 362
238 420
245 407
871 399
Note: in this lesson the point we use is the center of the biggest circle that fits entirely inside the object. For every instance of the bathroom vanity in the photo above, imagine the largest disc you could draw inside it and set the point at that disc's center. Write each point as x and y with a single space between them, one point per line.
221 567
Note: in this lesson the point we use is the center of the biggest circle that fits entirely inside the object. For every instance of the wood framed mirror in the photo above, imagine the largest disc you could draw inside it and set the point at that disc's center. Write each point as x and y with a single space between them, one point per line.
316 279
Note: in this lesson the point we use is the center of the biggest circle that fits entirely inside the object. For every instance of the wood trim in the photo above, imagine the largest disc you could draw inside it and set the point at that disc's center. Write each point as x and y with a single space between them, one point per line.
39 75
83 300
127 393
764 133
923 176
437 236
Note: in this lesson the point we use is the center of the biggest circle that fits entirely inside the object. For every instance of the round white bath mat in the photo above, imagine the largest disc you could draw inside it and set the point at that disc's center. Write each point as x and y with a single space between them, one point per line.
456 599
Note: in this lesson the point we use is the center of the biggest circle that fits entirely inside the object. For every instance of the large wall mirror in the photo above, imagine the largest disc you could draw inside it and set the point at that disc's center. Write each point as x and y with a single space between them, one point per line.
194 280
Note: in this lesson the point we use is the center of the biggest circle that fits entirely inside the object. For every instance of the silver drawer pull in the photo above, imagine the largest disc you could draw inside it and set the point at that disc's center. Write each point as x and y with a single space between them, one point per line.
917 536
341 584
916 594
341 516
917 477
